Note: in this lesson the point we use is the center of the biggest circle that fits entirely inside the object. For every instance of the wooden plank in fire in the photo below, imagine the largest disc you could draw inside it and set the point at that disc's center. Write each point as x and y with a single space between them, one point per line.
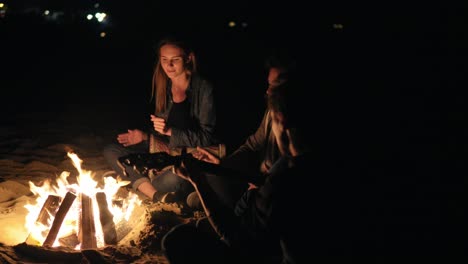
49 209
107 220
87 234
58 219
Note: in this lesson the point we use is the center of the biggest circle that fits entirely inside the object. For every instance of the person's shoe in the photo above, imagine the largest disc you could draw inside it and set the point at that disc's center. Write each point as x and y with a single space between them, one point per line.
193 201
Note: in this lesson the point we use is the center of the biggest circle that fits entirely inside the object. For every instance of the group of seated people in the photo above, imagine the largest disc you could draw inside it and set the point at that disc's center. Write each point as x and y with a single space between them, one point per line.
299 203
185 120
237 199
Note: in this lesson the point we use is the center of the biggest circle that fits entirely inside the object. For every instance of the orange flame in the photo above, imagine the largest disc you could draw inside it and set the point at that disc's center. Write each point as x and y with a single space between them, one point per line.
85 185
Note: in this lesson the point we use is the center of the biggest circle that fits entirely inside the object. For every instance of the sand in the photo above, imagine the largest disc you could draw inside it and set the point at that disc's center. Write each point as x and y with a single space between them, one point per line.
34 149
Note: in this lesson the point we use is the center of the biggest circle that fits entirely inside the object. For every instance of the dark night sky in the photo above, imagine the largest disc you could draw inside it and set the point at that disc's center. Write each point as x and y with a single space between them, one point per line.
397 73
384 56
66 63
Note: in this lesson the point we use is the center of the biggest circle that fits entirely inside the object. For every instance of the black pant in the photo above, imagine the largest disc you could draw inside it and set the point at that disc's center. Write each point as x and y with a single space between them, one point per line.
199 243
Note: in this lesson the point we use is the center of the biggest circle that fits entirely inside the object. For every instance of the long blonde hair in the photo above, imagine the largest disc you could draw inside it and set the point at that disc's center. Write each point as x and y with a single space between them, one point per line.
160 78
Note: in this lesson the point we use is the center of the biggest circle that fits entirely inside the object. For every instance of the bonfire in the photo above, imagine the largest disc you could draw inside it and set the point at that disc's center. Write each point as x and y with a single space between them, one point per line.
90 219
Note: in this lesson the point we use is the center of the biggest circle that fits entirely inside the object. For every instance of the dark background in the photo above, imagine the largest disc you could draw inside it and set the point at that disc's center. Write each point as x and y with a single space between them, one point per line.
397 73
401 61
63 63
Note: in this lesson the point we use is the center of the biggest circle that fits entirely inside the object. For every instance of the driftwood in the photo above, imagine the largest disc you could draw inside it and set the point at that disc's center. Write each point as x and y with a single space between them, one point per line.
49 208
107 220
87 234
59 217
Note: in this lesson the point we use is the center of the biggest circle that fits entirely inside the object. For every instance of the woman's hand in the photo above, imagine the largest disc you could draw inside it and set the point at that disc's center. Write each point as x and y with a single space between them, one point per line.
132 137
159 125
204 155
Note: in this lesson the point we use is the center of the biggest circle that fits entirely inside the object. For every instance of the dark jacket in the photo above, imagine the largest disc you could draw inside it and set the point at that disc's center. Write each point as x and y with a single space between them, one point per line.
306 206
202 111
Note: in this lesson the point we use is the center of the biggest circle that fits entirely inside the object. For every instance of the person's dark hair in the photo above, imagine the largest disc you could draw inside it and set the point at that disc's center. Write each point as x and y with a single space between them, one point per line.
288 99
313 109
282 60
307 107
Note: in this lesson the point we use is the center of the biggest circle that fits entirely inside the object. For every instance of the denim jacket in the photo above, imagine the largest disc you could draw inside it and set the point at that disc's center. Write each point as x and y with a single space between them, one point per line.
202 109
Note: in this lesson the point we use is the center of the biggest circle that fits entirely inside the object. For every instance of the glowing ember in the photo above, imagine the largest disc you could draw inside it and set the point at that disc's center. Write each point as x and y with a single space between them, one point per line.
38 230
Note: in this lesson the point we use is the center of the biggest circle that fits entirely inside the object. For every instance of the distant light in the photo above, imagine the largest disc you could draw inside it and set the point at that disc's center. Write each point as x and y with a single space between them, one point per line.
100 16
2 5
89 17
338 26
96 5
244 24
102 34
46 12
232 24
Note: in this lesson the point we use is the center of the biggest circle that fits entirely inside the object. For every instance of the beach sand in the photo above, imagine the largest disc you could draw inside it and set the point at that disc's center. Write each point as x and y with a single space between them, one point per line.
34 149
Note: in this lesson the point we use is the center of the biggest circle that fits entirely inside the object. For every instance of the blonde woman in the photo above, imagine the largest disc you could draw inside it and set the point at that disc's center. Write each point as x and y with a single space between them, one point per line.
184 116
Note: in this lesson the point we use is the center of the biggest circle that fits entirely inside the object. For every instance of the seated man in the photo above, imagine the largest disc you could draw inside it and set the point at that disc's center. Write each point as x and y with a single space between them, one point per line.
267 222
259 152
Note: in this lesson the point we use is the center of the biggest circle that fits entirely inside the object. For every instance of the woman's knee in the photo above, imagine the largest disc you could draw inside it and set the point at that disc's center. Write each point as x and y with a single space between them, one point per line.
168 182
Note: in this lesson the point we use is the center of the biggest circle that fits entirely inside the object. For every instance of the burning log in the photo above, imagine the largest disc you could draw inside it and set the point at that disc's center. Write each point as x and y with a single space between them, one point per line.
70 241
49 208
87 234
59 217
107 220
123 229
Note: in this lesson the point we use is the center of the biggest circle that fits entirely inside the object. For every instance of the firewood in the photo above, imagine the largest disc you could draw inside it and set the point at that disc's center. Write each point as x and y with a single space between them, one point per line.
49 209
87 234
58 219
107 220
